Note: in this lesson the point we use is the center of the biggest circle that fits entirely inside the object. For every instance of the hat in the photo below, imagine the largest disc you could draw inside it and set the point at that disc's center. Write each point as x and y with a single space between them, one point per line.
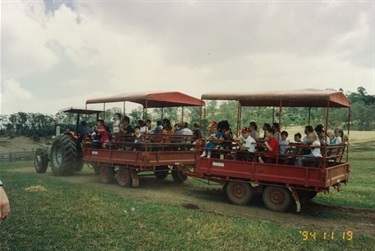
212 123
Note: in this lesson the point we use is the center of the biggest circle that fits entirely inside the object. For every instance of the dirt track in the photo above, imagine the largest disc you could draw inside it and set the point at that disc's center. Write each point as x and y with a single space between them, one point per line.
212 200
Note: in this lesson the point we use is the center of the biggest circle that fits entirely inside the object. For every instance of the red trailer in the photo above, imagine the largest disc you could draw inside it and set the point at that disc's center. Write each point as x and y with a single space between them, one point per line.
160 153
280 181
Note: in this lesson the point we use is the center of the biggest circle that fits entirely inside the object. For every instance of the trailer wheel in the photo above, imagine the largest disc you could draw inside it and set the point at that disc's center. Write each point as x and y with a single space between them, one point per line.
305 196
124 178
178 176
161 172
107 174
96 168
239 193
41 160
277 198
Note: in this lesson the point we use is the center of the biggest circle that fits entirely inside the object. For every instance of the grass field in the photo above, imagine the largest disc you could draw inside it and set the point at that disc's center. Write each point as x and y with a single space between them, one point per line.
52 214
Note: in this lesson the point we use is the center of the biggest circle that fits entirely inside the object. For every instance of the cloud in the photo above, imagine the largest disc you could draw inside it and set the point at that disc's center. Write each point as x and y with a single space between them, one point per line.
66 51
14 97
187 33
23 40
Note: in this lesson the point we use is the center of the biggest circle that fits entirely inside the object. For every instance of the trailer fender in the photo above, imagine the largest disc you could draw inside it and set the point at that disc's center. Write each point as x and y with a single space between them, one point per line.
296 199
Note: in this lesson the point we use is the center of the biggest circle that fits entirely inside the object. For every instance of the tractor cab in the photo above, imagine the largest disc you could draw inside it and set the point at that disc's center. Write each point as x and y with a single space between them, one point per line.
66 151
81 115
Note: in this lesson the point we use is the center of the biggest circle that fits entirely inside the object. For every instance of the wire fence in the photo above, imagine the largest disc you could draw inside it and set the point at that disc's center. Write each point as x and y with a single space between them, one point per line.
17 156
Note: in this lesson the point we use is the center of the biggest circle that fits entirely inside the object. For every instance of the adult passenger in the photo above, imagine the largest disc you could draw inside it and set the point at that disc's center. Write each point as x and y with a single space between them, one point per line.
197 134
253 128
159 127
185 129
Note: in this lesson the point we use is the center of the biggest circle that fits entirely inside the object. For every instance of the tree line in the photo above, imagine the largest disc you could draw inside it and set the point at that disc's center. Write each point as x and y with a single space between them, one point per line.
362 115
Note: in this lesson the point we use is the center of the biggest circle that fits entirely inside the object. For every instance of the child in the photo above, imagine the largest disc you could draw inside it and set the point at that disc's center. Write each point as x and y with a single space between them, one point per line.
339 136
139 139
332 138
297 143
104 137
315 151
116 123
210 144
247 145
271 145
283 143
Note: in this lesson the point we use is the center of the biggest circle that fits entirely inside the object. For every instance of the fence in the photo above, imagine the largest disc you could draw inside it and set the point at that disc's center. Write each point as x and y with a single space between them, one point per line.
17 156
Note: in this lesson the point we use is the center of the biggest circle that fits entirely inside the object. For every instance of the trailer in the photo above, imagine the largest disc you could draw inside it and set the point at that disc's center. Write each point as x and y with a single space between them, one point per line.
160 153
280 181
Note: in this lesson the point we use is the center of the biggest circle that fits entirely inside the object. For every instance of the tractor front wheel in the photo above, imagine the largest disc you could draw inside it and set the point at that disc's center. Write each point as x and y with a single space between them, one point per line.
41 160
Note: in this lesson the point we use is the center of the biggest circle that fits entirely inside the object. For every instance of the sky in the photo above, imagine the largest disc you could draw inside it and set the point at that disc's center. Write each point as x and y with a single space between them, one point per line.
59 53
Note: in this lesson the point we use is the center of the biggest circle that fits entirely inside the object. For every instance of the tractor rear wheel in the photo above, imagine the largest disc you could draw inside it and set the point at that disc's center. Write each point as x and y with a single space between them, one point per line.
124 178
161 172
79 161
107 174
277 198
63 155
178 176
41 160
239 193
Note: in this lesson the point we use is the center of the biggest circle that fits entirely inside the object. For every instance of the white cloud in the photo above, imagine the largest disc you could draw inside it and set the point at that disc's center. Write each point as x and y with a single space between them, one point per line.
14 97
99 48
23 40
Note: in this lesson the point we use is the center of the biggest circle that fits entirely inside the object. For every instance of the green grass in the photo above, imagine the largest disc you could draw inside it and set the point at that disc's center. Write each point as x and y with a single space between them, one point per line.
72 217
360 190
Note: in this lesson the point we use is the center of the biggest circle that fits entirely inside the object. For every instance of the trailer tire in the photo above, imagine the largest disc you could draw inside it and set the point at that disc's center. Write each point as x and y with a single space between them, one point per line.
124 178
178 176
305 196
239 193
63 155
277 198
161 172
41 160
96 168
107 174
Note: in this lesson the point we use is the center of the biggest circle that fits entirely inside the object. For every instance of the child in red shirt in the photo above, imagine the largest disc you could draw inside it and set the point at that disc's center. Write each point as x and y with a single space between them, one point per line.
272 146
104 137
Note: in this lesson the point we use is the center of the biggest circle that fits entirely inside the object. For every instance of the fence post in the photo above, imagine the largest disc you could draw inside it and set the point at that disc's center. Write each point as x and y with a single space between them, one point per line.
10 157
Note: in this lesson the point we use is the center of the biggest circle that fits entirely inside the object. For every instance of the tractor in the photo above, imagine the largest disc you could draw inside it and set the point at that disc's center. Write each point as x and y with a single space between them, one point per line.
66 151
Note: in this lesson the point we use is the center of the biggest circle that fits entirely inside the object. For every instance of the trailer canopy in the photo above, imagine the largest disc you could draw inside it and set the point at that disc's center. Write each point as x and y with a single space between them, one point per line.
152 100
296 98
